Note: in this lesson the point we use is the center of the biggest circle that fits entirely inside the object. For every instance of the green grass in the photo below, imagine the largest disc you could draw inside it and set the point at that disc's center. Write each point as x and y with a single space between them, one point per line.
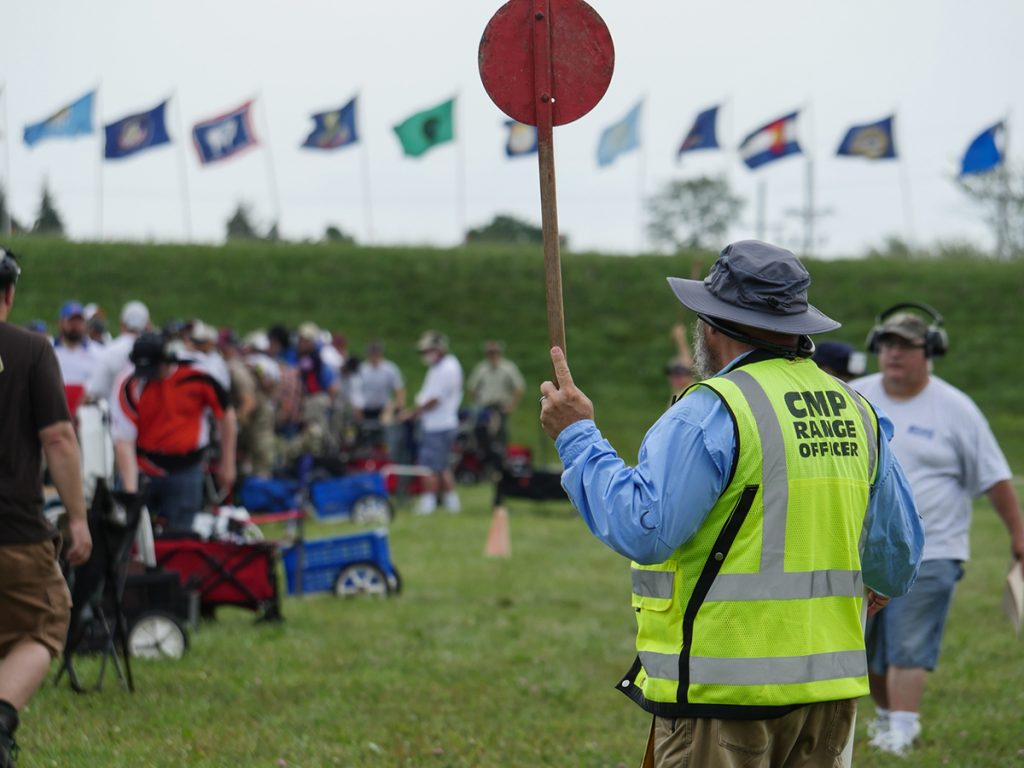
490 662
479 662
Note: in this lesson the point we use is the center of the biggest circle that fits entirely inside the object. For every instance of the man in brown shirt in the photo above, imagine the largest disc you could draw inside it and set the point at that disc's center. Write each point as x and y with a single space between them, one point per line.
34 600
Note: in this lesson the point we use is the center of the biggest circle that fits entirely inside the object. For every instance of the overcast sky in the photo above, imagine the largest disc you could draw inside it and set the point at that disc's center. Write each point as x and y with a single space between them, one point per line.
944 67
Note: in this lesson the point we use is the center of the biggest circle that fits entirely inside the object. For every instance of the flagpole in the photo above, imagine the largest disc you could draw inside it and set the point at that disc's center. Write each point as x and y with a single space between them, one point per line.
641 181
7 164
186 205
759 226
275 199
364 162
1004 197
810 211
904 171
99 173
460 174
727 106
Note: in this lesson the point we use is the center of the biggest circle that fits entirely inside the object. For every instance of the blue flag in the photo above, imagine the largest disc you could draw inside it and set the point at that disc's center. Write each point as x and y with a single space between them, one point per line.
620 138
873 141
136 133
222 137
702 134
985 152
334 129
73 120
772 141
522 139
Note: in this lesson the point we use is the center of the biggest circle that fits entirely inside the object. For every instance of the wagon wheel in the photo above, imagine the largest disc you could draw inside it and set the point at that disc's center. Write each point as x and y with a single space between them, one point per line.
372 509
361 579
157 635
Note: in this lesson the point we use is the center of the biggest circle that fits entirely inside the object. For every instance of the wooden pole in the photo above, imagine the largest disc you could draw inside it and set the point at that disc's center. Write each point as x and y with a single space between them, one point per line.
546 160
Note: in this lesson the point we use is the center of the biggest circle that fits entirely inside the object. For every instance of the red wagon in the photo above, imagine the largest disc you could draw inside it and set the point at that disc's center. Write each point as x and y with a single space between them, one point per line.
225 573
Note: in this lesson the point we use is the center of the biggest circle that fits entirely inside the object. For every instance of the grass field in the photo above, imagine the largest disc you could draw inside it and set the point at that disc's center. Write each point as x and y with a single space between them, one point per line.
478 662
495 662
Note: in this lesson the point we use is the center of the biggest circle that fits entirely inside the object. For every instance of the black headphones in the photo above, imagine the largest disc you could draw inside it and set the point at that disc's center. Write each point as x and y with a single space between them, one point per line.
804 346
936 342
9 269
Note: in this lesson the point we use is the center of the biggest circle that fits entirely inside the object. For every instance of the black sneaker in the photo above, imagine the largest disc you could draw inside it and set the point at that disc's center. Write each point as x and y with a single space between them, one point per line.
8 750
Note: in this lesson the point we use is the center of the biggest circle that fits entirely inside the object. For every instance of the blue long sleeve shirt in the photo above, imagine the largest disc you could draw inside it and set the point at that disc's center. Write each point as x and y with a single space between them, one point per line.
648 511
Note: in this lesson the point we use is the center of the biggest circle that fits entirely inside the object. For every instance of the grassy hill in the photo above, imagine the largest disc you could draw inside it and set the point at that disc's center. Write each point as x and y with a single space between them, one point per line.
618 310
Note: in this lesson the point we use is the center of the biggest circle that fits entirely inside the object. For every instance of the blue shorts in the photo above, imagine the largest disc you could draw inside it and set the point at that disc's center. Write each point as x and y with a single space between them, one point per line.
908 631
436 449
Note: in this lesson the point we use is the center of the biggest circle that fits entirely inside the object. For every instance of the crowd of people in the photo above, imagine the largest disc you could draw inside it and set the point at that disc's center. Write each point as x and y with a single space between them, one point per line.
188 395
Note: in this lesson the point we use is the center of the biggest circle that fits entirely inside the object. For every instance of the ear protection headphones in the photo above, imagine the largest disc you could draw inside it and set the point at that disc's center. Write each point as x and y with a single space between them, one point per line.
936 342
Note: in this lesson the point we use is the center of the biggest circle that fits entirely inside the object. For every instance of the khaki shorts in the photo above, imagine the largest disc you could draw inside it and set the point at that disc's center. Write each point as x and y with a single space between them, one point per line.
35 598
812 736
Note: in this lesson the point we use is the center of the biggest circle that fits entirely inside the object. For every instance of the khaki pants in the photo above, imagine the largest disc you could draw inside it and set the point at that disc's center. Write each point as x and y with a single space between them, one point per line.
813 736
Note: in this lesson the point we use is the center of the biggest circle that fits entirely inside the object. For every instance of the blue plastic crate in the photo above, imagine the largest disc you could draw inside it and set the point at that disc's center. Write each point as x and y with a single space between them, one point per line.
324 559
336 496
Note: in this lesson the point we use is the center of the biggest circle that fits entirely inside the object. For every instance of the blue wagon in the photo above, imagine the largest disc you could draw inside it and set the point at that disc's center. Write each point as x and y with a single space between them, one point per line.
361 497
357 564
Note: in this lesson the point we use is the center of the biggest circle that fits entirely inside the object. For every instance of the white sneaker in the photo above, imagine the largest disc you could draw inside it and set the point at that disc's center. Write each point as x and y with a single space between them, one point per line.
877 727
452 503
897 742
427 504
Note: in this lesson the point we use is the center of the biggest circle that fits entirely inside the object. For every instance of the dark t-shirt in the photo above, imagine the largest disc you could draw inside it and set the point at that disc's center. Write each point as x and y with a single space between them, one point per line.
31 399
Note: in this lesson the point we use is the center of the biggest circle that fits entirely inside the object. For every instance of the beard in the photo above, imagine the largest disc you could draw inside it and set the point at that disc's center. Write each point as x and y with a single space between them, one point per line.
705 362
74 336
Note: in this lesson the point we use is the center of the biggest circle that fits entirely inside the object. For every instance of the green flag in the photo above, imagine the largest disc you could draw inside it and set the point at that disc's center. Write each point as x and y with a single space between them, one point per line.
427 129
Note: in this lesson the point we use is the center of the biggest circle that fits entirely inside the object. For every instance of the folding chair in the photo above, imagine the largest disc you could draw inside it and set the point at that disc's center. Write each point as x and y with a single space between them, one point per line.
98 621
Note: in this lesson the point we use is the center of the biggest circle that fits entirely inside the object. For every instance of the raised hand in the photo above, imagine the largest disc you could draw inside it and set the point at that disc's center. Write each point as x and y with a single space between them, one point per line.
562 403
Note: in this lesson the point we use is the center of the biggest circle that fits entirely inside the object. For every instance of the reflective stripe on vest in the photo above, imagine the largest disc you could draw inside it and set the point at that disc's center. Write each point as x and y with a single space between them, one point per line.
773 670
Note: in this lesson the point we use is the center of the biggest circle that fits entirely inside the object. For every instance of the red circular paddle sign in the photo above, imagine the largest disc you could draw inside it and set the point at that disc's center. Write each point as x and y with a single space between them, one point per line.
578 61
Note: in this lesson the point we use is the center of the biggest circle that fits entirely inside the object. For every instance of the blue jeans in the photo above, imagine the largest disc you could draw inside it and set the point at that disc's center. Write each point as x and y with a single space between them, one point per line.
907 633
175 497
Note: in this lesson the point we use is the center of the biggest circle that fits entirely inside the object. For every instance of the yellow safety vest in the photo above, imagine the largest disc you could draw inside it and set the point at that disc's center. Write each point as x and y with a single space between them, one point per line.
761 610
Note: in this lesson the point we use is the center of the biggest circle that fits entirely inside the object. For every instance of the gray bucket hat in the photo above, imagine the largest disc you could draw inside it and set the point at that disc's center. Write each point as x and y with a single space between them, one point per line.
756 284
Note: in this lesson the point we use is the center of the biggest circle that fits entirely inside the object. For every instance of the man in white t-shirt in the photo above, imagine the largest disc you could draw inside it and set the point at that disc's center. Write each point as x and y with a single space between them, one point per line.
76 354
950 456
437 407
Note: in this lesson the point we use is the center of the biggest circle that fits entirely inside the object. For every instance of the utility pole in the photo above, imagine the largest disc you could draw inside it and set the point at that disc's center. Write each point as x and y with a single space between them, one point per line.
809 214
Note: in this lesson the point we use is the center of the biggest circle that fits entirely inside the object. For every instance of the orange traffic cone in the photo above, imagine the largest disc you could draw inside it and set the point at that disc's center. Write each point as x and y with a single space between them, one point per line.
498 543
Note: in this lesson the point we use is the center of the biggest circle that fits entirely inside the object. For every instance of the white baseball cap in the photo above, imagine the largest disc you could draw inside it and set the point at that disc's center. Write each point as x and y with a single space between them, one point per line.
202 333
135 316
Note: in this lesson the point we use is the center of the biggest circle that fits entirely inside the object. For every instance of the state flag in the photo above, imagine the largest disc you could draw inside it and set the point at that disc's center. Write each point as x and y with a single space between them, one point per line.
703 134
872 140
334 129
427 129
73 120
985 152
136 133
622 137
772 141
224 136
522 139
